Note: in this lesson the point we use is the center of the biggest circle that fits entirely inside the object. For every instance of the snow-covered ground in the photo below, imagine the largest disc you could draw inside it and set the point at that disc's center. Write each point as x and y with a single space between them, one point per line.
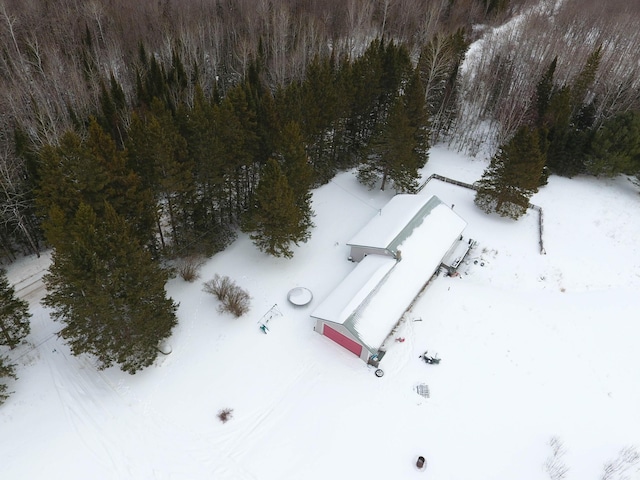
533 347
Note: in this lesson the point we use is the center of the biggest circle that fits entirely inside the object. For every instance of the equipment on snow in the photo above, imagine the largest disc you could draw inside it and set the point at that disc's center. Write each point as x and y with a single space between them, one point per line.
430 360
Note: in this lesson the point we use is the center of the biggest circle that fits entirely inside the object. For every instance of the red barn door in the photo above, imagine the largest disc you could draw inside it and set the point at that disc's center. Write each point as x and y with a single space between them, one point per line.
341 339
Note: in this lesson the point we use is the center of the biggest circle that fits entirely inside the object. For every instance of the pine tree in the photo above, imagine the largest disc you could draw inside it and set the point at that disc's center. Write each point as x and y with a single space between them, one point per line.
297 169
322 105
373 82
156 151
557 130
108 292
14 314
123 188
68 177
7 370
275 221
393 154
92 172
544 90
238 138
113 106
418 117
583 82
569 119
512 176
615 147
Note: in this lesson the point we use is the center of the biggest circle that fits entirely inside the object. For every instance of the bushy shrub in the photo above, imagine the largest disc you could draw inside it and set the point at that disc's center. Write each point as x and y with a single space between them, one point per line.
189 268
219 286
233 299
225 415
237 302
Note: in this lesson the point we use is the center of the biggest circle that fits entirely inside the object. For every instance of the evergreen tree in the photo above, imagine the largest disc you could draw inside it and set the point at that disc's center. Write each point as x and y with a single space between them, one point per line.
113 110
14 314
14 326
198 127
297 169
123 188
583 82
418 117
544 90
237 130
512 176
92 172
615 147
108 292
568 121
323 104
156 152
275 221
7 370
557 130
374 81
393 154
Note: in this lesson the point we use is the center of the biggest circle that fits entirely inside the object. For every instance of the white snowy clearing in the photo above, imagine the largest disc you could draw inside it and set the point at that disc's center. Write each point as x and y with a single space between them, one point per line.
532 346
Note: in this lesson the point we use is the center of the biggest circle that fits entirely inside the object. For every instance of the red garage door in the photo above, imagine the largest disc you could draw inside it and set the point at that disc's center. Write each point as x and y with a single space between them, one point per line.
340 339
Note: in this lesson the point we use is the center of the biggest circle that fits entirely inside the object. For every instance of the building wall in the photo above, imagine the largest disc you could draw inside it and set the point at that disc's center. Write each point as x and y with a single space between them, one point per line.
320 328
358 252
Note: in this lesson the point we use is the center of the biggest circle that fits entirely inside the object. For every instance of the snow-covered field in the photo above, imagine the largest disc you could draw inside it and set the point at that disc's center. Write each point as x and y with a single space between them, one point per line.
532 346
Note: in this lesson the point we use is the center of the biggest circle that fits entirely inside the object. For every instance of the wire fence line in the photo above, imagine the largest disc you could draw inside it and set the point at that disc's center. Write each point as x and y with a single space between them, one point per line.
435 176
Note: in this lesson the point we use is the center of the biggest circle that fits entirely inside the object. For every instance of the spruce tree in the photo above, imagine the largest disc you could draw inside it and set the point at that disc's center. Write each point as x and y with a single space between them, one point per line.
275 221
238 149
108 292
512 176
92 171
297 169
14 314
557 130
156 152
583 82
322 105
615 147
544 90
7 370
418 116
569 119
393 154
123 187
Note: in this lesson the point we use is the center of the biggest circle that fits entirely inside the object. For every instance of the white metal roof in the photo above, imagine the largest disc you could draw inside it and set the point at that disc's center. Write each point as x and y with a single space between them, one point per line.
390 221
354 289
373 297
422 254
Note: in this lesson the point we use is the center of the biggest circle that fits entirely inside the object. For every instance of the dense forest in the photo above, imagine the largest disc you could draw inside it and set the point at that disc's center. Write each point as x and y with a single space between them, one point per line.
135 132
195 96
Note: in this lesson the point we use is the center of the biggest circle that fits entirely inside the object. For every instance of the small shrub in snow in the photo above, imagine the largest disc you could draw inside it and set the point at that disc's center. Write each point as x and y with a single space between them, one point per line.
225 415
624 467
237 302
555 466
233 299
219 286
189 268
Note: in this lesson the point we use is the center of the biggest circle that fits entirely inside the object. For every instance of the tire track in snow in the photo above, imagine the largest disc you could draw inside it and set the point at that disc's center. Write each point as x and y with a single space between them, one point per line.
86 412
147 443
235 445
